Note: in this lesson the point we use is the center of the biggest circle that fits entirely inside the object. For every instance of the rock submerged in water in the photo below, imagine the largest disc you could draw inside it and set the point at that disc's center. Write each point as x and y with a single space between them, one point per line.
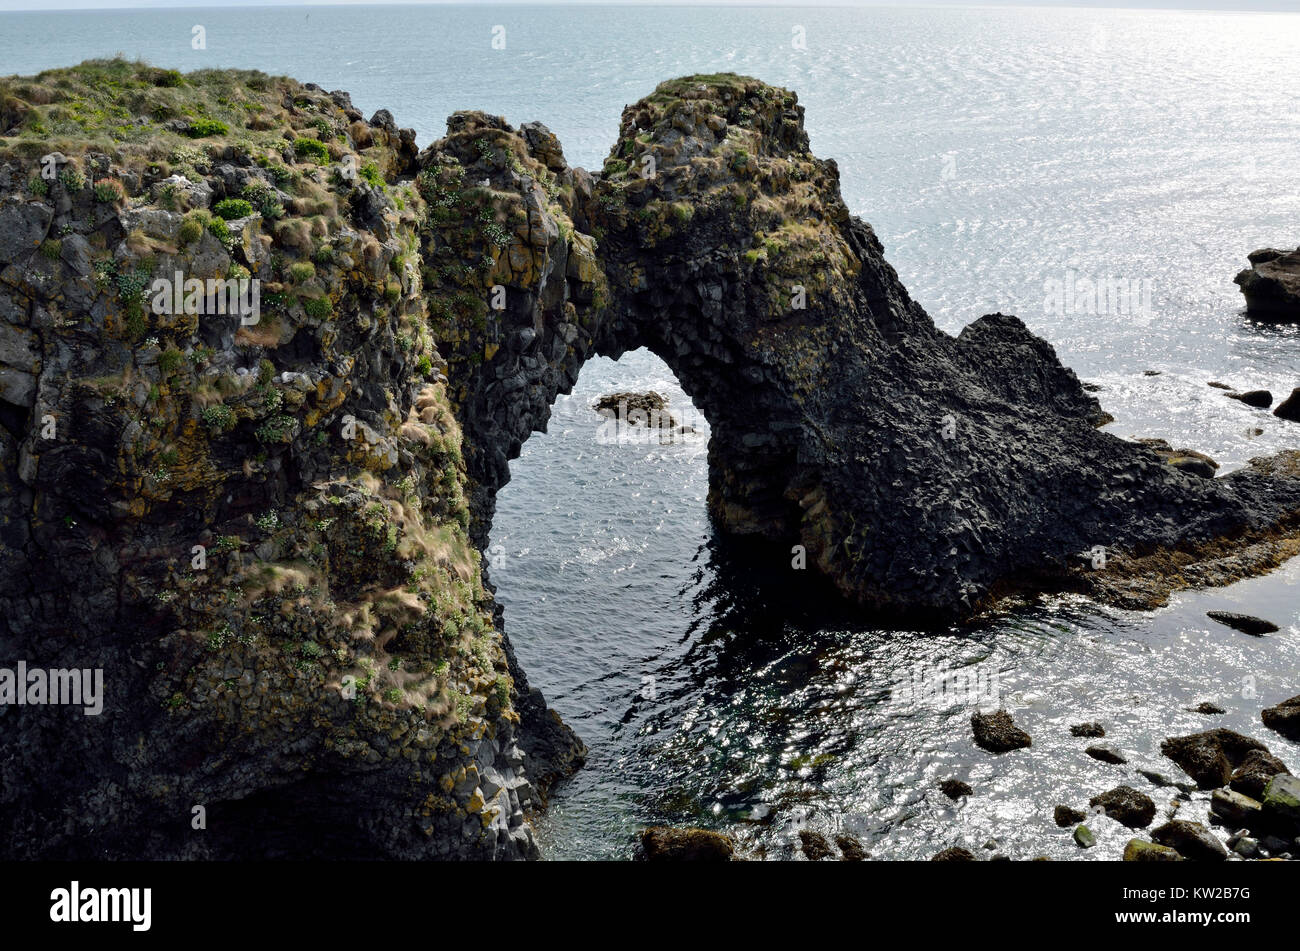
1207 708
1106 754
1271 285
1284 718
664 844
1210 757
998 733
1126 806
954 854
1246 623
1067 816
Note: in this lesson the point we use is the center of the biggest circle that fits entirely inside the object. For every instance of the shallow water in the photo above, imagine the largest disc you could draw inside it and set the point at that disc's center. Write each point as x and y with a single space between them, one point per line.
995 151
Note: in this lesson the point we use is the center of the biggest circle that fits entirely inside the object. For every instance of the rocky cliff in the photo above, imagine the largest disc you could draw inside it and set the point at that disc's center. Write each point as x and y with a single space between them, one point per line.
265 523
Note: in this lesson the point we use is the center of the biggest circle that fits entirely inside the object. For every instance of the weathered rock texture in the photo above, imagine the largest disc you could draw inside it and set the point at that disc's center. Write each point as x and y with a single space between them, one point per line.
1271 284
333 680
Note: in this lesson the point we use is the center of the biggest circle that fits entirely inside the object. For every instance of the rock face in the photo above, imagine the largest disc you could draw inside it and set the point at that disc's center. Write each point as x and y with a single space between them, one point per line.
1271 284
268 532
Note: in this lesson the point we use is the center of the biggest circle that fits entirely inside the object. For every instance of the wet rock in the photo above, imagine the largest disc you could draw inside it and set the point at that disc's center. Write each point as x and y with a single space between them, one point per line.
998 733
1220 386
1066 816
1284 718
1282 802
1235 809
1245 623
954 854
851 849
1106 754
1084 838
1088 730
1185 460
1139 851
1247 847
1191 840
1126 806
663 844
1211 756
814 845
1255 770
1260 399
1271 285
1207 708
955 788
1289 408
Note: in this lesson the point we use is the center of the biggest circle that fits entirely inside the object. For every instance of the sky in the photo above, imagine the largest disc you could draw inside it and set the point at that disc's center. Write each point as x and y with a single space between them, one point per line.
1274 5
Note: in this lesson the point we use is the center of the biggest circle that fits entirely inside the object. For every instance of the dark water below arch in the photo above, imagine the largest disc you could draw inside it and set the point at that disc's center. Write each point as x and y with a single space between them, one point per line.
712 693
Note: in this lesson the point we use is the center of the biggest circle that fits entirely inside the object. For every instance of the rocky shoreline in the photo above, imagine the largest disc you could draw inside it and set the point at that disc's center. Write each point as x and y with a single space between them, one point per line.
266 525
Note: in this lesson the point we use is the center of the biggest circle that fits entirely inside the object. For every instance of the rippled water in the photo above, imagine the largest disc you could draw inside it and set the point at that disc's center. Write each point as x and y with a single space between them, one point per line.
994 151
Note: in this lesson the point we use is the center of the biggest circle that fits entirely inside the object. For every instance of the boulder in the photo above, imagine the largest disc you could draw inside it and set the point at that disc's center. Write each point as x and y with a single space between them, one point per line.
1245 623
1282 802
663 844
954 854
851 849
1207 708
1185 460
1255 770
998 733
1126 806
1084 838
1066 816
1234 809
1191 840
1260 399
1140 851
1289 408
1088 729
1106 755
1284 718
1211 756
1271 285
955 788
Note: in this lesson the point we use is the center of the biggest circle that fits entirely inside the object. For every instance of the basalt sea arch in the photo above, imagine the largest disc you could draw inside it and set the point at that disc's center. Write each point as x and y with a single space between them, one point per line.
926 475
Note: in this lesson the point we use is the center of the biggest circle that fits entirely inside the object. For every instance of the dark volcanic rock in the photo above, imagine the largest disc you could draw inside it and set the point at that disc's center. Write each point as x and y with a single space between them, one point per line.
1284 718
954 854
1191 840
814 845
1210 757
1185 460
1253 773
1289 408
1207 708
1260 399
1245 623
1106 755
1088 729
662 844
1272 284
997 733
1066 816
1126 806
955 788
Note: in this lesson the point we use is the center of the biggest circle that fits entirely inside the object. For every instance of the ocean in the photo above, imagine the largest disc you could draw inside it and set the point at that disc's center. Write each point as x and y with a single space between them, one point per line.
1009 160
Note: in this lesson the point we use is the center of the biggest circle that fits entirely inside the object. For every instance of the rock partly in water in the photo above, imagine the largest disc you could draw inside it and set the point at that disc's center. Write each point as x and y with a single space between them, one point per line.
1254 771
954 854
955 788
1284 718
1282 803
1139 851
1211 756
1067 816
1234 809
1207 708
998 733
663 844
1088 730
1259 399
1191 840
1106 754
851 849
1084 838
1271 284
1246 623
1289 408
1126 806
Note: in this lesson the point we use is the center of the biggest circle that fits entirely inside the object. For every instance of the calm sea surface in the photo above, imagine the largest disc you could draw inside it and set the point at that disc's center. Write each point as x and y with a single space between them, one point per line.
998 153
